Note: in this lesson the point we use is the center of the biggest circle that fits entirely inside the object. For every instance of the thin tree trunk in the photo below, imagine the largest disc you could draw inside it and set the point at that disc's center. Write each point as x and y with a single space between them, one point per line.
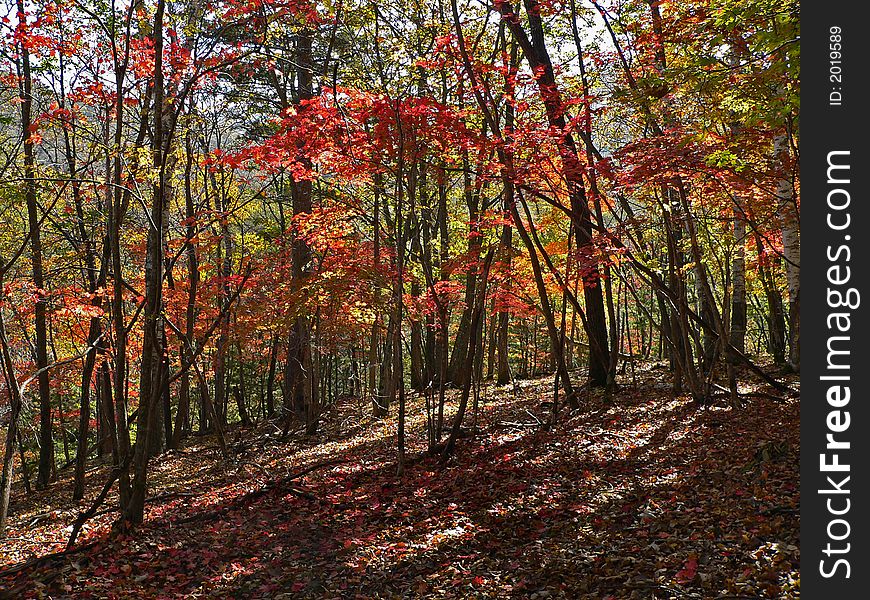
471 190
476 319
270 382
506 237
12 429
775 309
417 371
546 308
150 385
46 444
224 250
378 410
737 321
789 219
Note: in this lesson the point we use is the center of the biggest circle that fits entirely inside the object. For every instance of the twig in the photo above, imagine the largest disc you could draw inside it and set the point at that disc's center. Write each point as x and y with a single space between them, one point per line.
750 394
301 494
519 425
29 540
152 499
268 487
39 560
101 497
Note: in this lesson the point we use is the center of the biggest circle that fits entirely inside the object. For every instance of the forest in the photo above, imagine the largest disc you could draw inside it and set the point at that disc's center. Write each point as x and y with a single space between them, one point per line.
399 299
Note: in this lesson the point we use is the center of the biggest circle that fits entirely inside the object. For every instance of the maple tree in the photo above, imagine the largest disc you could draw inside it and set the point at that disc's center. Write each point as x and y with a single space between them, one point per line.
321 219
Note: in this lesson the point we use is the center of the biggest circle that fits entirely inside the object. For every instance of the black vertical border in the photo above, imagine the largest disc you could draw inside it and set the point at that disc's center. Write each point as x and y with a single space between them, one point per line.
825 128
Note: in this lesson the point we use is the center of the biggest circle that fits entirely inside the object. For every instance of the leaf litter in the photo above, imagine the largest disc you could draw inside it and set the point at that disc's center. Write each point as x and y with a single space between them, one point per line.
640 495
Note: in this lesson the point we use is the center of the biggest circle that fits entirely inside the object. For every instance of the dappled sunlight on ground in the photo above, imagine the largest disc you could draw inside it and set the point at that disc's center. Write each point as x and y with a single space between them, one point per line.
638 496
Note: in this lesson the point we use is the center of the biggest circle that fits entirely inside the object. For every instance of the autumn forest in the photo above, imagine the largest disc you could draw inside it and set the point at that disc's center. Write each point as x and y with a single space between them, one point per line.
399 299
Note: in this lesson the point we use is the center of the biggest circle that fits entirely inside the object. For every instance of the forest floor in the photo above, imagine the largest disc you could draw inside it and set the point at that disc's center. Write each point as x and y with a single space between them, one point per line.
636 496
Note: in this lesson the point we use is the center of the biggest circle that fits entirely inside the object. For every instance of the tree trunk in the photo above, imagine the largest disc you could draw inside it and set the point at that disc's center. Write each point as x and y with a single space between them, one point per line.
506 240
151 378
12 429
94 333
270 382
374 341
737 321
546 308
418 381
775 311
474 330
457 370
789 220
538 57
225 249
46 443
300 386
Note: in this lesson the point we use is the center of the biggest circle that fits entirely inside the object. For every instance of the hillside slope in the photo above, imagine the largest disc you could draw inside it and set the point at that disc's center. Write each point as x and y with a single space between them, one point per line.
640 496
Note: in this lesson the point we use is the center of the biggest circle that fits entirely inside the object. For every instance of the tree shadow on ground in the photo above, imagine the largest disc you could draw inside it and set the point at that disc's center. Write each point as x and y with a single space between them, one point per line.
641 497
